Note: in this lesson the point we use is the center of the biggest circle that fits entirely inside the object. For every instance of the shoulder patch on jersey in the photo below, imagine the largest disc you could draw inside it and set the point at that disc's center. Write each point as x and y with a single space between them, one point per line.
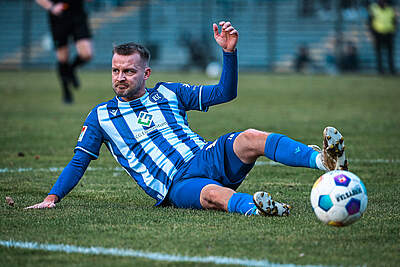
83 131
156 97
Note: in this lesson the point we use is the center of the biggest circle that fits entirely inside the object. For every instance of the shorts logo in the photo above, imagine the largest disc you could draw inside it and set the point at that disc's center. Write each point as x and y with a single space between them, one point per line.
145 118
83 131
211 145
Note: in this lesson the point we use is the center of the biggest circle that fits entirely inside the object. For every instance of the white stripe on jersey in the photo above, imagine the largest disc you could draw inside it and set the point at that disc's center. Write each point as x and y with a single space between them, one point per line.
148 146
134 164
169 135
175 110
201 89
87 151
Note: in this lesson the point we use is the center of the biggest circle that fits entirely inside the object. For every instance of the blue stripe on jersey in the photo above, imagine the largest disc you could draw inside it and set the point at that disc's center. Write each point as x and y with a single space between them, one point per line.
142 152
167 110
181 120
147 141
123 162
169 140
166 156
114 128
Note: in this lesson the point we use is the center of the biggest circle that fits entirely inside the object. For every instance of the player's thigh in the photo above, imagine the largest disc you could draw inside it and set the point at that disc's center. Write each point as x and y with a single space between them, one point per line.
235 170
185 193
218 161
60 31
82 35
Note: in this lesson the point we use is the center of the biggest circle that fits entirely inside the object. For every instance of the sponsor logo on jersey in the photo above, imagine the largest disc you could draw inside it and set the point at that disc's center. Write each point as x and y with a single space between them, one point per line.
155 127
83 131
145 118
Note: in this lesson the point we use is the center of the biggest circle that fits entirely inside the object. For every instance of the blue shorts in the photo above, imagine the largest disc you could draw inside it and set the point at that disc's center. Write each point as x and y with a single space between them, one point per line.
215 164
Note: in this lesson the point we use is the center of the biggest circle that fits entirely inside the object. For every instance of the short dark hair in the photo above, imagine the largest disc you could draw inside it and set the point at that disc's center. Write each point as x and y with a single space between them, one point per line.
132 48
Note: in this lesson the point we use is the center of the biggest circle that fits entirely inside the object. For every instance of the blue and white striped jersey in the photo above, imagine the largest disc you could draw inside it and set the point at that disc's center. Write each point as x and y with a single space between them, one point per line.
150 136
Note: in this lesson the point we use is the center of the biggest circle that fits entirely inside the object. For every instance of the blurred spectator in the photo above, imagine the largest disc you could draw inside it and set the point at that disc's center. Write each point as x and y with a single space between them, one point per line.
350 9
382 24
67 18
325 10
199 52
349 61
330 59
302 61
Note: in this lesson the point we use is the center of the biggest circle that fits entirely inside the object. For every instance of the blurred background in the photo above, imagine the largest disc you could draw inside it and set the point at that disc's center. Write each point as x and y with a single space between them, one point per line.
308 36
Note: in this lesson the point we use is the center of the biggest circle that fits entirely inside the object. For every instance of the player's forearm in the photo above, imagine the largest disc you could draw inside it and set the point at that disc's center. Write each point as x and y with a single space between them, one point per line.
229 76
226 89
46 4
71 175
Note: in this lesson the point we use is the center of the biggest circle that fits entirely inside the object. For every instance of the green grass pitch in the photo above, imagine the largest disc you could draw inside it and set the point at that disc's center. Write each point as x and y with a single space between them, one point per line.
107 209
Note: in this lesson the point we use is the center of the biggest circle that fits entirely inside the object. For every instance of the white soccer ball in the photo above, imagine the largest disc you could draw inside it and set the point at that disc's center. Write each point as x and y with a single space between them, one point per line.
339 198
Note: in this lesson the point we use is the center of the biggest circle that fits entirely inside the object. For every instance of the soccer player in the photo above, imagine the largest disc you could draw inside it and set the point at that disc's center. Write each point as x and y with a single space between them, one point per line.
67 18
147 132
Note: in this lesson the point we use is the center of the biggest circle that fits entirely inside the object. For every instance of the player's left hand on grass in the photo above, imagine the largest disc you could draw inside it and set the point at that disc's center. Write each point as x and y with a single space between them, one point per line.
228 36
47 203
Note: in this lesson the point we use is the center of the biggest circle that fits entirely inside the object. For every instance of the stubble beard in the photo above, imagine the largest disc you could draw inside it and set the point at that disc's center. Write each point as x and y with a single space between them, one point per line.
129 93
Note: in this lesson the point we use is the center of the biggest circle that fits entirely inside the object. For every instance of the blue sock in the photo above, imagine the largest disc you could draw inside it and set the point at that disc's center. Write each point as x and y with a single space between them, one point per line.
281 148
242 203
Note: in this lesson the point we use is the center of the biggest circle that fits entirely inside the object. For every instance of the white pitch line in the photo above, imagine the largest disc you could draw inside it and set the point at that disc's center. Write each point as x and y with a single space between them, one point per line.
118 169
141 254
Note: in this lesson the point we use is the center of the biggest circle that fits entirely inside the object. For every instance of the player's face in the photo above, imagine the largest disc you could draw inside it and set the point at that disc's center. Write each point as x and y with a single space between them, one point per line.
129 75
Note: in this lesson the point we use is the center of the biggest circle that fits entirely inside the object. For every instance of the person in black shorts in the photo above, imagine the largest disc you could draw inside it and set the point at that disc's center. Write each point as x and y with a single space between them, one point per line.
67 18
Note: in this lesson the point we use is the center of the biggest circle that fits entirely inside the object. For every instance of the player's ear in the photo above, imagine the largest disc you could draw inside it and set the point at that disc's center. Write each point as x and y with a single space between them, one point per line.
147 73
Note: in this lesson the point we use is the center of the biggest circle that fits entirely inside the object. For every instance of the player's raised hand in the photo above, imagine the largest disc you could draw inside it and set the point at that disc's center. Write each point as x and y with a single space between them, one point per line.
48 202
228 36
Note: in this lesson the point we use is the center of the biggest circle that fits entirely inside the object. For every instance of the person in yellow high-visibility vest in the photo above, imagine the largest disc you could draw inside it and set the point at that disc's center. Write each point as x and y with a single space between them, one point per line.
382 24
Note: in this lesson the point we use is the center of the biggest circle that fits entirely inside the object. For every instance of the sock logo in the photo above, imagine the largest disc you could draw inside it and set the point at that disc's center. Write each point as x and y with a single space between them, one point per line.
297 150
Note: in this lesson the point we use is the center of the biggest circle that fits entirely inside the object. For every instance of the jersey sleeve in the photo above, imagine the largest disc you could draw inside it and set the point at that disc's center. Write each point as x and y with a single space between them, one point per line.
190 96
91 136
201 97
71 174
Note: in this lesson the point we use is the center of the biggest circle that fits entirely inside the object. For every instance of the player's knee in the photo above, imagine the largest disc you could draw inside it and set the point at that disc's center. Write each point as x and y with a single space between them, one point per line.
252 134
86 56
214 197
209 194
253 140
